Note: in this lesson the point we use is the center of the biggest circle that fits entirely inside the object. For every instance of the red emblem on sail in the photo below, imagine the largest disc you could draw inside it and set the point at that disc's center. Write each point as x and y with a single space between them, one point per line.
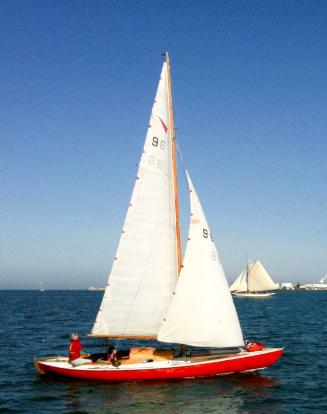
163 124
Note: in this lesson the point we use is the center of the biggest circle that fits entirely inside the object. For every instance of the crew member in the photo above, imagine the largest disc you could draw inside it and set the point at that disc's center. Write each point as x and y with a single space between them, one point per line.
75 351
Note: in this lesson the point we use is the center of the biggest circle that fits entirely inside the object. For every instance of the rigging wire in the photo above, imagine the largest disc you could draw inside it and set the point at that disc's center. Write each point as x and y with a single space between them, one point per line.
93 220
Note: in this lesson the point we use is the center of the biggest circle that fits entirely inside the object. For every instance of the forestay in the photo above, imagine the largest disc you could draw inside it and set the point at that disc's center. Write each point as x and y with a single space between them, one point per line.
202 311
144 271
259 279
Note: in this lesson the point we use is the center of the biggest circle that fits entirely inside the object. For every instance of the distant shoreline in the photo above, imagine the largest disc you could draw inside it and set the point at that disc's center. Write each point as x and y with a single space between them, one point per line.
102 290
48 290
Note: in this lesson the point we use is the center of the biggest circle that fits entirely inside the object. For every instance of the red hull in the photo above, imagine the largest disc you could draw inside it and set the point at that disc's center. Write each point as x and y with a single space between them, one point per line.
238 363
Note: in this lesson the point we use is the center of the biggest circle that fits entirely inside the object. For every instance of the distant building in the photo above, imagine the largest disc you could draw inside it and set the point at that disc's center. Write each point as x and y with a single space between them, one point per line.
314 286
287 286
321 285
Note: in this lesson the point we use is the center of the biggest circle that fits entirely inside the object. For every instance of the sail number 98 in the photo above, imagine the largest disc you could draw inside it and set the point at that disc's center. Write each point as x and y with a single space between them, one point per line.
155 162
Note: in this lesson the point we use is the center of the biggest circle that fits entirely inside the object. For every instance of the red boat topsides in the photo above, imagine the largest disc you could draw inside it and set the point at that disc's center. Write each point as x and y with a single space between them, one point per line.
161 365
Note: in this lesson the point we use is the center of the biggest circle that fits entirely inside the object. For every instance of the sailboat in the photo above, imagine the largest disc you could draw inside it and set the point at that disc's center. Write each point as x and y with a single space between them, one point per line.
151 295
254 282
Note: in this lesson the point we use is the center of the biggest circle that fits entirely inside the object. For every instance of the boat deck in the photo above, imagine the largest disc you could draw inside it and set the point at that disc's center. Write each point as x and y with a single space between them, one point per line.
132 363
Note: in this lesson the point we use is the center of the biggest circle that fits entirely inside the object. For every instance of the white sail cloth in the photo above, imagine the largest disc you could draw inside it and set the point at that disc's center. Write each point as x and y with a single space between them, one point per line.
202 312
144 271
258 278
254 279
240 284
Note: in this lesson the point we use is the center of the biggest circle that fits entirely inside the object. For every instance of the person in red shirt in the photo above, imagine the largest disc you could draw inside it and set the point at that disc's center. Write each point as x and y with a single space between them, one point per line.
75 351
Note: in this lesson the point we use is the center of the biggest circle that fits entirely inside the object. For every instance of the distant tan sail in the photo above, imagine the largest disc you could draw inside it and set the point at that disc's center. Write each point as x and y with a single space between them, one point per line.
259 279
240 284
254 279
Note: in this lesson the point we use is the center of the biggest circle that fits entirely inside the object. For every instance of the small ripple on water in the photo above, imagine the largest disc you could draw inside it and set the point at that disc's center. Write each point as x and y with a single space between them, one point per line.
32 323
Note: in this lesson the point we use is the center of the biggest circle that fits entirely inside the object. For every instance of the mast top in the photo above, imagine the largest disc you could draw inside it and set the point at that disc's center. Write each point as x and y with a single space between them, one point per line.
166 55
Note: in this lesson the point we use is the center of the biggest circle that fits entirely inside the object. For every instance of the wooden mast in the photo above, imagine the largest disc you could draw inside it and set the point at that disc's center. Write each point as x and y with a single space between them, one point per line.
173 153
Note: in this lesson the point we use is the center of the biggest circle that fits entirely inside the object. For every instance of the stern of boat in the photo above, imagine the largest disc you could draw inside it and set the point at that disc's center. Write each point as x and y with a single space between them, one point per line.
37 366
38 362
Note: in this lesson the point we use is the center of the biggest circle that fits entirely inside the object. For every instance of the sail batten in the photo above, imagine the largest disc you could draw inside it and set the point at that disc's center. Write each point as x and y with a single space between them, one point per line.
144 271
202 311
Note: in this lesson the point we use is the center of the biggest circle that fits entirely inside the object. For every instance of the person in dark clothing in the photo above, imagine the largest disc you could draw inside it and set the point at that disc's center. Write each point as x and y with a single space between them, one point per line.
112 357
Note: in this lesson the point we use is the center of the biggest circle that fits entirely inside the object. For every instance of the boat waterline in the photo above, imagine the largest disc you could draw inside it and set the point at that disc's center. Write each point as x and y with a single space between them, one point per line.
253 295
169 369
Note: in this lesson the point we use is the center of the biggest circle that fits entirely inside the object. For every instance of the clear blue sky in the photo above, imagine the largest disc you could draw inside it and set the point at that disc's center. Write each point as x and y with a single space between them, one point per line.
77 80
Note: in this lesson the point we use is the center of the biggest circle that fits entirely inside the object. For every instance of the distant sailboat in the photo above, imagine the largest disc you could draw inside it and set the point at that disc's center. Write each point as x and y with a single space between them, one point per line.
255 282
41 288
151 296
96 289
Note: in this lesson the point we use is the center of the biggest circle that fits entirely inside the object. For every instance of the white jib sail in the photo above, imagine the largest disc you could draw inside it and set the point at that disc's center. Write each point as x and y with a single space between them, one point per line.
144 271
259 279
240 284
202 312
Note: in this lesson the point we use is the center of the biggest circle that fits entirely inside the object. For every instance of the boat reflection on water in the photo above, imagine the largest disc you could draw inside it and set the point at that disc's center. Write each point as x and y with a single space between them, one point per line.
233 394
256 381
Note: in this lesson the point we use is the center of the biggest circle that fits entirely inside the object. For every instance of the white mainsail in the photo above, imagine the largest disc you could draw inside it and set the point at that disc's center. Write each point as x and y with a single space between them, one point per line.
202 312
144 271
258 278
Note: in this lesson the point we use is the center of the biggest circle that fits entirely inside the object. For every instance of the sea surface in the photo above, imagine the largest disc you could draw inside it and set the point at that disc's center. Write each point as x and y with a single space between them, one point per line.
38 323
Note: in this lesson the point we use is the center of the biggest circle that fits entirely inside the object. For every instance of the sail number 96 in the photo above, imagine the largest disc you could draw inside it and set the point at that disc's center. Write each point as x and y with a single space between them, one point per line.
206 234
156 143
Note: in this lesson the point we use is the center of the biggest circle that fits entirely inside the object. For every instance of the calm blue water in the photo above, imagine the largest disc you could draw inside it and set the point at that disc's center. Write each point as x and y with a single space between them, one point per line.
34 323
